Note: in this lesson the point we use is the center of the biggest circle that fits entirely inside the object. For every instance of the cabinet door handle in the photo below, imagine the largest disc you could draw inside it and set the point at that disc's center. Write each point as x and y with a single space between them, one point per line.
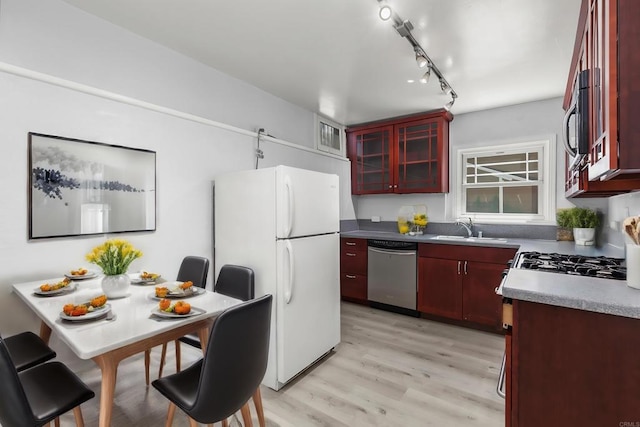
465 267
349 254
390 186
458 267
350 276
350 243
501 377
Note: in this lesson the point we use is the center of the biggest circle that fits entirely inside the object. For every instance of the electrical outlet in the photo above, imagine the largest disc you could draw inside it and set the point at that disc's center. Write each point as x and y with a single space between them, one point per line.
375 218
614 225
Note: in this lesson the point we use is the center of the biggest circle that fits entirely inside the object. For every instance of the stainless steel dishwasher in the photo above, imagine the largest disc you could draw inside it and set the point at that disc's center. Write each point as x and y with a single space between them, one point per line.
391 275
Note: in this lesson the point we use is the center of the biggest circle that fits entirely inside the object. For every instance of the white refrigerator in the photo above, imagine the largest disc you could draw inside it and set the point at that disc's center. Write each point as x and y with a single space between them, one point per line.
284 223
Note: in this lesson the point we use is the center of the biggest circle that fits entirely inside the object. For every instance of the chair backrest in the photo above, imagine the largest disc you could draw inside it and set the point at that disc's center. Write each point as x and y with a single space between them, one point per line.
235 361
236 281
195 269
14 406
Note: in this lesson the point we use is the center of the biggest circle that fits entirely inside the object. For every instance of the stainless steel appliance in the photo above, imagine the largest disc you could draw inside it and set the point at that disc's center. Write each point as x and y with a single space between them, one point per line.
580 265
391 275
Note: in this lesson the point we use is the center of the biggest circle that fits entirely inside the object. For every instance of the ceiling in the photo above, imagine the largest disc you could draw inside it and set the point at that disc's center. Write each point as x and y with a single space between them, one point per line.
337 57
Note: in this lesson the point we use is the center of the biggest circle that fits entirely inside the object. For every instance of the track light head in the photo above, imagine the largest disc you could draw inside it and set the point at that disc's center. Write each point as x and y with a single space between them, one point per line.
385 12
421 59
426 75
449 104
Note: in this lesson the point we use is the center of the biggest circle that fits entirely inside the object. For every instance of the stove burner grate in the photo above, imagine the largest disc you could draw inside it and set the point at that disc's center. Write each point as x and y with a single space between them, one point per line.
579 265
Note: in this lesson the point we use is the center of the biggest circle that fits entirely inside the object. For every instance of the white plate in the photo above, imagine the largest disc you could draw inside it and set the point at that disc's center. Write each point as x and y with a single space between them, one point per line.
67 289
90 275
194 312
143 282
97 312
179 295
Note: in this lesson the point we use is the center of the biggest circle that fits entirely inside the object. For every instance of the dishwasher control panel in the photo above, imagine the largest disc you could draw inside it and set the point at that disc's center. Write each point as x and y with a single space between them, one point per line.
392 244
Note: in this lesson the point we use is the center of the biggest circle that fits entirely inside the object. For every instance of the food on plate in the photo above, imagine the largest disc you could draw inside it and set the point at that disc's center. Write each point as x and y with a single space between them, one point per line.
148 276
84 308
98 301
179 307
164 304
68 309
61 284
79 272
182 307
161 291
186 285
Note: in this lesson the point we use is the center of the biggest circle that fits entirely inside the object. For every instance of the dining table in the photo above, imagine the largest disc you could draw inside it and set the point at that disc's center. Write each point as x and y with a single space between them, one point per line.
134 325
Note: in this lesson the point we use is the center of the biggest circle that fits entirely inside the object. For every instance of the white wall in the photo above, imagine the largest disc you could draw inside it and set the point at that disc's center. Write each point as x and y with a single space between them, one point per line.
54 38
517 123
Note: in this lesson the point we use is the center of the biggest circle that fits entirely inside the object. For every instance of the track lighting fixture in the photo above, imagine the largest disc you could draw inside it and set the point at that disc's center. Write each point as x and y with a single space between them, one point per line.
421 59
404 28
385 12
426 75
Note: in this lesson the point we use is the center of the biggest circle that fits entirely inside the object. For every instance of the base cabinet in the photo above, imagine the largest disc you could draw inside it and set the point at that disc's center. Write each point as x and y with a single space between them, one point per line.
458 282
353 269
572 367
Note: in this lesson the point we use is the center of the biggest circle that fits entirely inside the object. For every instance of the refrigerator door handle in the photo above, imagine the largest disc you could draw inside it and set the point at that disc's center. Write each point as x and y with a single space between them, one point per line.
288 289
287 185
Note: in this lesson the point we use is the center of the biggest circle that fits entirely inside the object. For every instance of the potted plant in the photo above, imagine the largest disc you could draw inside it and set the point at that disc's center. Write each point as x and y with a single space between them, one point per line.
583 221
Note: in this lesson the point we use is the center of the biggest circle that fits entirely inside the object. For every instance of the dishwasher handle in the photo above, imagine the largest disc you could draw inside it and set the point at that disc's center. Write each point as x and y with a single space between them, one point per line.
392 252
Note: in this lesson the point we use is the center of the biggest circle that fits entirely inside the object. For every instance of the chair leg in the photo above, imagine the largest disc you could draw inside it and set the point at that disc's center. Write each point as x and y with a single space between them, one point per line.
178 354
170 414
257 401
56 422
246 415
192 422
162 357
77 413
225 423
147 364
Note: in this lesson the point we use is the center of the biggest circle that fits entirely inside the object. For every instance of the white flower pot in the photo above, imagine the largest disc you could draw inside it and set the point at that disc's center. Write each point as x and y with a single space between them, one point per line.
584 236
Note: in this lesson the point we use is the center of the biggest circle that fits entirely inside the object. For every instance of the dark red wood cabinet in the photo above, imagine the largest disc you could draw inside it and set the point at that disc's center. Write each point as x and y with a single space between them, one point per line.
353 269
458 282
402 155
606 45
571 367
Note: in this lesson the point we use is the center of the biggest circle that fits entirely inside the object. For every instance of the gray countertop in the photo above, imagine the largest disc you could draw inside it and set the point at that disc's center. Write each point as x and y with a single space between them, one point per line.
584 293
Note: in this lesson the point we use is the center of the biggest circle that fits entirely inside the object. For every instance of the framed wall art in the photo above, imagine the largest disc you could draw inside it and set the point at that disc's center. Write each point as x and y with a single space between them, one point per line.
81 187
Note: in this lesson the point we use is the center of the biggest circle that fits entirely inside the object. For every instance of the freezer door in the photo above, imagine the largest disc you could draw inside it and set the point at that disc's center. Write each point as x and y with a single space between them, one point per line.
308 302
308 202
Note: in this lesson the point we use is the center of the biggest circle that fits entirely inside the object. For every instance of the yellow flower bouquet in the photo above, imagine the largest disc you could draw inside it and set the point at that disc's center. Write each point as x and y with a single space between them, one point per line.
114 256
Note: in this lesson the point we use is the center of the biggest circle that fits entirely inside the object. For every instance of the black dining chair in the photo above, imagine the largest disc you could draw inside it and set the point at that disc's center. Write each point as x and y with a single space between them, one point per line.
39 395
196 270
28 350
234 364
235 281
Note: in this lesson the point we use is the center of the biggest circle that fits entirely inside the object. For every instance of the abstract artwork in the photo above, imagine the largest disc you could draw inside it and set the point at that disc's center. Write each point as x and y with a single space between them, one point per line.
81 187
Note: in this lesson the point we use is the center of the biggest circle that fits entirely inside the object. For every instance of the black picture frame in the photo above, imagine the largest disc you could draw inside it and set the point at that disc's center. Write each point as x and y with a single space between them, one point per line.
79 188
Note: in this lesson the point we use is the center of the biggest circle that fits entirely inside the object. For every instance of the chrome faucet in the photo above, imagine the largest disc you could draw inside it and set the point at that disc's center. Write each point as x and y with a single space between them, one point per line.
467 226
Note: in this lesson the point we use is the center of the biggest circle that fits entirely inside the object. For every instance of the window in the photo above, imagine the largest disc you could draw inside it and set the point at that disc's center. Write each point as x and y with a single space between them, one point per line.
329 136
512 182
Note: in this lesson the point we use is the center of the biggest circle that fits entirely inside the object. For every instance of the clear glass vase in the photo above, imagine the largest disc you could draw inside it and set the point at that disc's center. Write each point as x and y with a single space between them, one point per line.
116 286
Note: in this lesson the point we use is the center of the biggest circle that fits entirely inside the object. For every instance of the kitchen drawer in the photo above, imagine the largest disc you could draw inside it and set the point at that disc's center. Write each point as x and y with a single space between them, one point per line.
353 286
469 253
353 262
347 243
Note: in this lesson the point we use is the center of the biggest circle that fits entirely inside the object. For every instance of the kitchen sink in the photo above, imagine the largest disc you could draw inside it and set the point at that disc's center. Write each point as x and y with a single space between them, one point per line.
471 239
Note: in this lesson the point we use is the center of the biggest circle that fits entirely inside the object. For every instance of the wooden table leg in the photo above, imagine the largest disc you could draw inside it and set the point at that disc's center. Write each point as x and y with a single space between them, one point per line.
45 332
109 367
203 334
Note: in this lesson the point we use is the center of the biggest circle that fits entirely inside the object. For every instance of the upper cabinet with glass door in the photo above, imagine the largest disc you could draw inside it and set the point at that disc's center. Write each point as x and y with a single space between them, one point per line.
607 48
405 155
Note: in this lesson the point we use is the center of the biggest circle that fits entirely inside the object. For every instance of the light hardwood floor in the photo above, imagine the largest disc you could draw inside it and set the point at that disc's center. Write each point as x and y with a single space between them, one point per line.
389 370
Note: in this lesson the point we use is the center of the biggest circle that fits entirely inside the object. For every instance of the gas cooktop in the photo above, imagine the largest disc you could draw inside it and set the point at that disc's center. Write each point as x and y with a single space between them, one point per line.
579 265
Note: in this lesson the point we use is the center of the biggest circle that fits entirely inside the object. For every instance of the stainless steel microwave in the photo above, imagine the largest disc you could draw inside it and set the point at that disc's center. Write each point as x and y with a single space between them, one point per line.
576 122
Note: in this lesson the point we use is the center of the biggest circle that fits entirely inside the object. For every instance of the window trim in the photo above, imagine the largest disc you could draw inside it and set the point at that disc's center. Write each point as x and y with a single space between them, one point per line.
547 171
343 141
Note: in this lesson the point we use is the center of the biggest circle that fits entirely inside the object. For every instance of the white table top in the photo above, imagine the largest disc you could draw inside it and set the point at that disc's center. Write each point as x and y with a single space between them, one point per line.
133 322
